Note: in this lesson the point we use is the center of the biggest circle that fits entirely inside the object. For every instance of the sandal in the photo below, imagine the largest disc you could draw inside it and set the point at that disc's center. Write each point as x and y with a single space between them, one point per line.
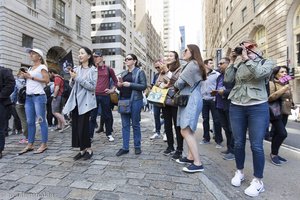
40 150
25 150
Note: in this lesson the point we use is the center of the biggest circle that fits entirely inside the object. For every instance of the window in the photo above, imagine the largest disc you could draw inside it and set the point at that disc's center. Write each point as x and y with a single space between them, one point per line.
59 11
227 11
78 25
244 14
255 5
27 41
93 27
231 5
31 3
231 28
79 1
297 18
261 40
298 49
227 33
93 15
112 64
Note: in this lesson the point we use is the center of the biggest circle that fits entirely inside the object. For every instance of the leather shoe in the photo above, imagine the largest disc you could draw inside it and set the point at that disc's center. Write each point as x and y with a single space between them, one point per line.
78 156
138 151
121 152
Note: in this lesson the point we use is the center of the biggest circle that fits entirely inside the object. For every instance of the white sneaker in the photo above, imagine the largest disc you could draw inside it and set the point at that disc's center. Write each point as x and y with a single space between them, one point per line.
237 179
110 138
155 136
255 188
165 137
154 130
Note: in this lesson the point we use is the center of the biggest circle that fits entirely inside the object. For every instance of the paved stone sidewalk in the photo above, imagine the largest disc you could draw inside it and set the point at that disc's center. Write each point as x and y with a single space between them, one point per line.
54 174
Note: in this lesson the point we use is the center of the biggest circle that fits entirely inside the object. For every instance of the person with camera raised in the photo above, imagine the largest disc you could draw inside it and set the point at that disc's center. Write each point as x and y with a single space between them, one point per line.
280 90
249 110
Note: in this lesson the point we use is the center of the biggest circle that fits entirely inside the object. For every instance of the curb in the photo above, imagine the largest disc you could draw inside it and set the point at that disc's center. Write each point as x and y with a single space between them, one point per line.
212 188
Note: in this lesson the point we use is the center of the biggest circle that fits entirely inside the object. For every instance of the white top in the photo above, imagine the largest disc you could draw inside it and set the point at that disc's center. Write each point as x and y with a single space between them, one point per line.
35 87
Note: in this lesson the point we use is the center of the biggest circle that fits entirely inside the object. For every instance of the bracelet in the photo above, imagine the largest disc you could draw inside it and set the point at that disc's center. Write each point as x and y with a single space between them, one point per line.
32 78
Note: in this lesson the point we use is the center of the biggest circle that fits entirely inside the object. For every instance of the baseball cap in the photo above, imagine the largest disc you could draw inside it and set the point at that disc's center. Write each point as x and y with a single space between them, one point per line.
38 51
97 53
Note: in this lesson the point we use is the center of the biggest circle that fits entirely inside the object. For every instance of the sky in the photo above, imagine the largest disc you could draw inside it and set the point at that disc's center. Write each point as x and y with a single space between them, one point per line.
189 13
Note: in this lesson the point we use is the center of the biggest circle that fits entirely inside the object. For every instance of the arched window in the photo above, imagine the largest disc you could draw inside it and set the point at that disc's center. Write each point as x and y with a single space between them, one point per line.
260 38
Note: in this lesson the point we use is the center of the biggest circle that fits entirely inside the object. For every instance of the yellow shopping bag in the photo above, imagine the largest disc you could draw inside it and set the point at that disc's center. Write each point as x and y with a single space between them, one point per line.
157 96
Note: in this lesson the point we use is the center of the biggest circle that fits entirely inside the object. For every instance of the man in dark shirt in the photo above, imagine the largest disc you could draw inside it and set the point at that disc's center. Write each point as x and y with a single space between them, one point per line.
7 85
102 95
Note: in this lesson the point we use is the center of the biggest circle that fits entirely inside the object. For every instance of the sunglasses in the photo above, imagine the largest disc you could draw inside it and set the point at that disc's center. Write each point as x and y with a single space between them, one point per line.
251 46
156 67
126 59
221 63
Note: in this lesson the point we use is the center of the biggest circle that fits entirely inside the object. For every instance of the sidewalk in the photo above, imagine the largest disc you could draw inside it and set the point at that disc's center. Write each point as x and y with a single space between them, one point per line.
151 175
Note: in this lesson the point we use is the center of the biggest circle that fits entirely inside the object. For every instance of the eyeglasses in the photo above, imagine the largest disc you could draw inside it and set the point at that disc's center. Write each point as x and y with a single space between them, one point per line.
126 59
156 67
251 46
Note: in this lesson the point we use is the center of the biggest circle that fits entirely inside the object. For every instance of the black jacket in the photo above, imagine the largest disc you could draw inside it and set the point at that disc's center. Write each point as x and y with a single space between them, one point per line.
228 87
7 85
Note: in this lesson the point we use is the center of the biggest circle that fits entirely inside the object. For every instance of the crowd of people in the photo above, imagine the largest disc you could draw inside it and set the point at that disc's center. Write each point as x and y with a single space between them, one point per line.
237 95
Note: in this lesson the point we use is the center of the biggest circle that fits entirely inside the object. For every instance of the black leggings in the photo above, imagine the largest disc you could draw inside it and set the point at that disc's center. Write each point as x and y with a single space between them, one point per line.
280 133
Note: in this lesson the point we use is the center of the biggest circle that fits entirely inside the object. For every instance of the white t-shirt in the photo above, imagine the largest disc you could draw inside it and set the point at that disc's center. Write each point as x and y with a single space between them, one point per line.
35 87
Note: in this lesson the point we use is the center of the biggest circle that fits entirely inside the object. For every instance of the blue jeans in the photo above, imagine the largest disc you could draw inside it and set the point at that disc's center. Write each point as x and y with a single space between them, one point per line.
35 108
255 119
133 118
106 115
156 112
3 124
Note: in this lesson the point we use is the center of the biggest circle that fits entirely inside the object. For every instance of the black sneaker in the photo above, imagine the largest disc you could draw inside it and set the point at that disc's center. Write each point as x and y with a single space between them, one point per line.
78 156
184 160
138 151
87 155
121 152
168 151
177 155
193 168
275 160
283 160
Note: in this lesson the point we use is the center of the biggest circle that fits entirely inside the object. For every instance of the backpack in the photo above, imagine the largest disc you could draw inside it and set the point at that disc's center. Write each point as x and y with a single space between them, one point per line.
47 90
22 95
67 89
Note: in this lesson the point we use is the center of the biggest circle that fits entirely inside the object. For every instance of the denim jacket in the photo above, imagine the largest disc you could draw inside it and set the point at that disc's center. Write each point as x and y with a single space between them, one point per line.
250 80
140 86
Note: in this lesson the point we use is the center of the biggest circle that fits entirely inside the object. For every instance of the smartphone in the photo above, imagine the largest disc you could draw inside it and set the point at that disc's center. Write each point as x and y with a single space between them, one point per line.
23 70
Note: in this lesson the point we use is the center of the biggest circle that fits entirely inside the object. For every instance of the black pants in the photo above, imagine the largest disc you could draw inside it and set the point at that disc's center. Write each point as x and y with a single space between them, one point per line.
80 130
4 110
17 122
225 123
209 105
170 117
50 115
279 133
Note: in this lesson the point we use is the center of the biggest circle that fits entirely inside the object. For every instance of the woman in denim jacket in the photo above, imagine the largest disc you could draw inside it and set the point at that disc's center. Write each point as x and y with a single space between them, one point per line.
128 87
249 110
81 101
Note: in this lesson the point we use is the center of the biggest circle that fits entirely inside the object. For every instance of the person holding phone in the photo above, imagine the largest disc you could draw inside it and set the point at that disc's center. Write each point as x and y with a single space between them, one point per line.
81 102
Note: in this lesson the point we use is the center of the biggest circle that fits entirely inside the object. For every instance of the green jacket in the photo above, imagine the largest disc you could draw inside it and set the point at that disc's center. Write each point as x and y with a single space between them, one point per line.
250 80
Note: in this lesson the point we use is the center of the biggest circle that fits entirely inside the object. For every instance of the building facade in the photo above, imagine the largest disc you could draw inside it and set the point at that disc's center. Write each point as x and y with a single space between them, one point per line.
274 24
54 26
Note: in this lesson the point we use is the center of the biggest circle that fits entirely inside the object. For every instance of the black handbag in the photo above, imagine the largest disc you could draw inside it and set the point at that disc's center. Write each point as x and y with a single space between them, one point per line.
181 100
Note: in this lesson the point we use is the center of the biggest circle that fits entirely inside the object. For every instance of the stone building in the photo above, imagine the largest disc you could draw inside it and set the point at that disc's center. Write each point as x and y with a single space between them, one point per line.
274 24
54 26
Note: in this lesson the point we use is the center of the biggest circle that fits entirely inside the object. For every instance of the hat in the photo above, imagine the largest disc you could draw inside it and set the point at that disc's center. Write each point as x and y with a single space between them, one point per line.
38 51
97 53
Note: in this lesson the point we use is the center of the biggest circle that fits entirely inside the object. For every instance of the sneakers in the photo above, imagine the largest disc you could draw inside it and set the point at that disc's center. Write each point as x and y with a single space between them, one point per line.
275 160
137 151
193 168
87 155
122 152
78 156
237 179
176 155
282 160
184 160
165 138
64 128
229 156
225 152
110 138
204 141
155 136
255 188
219 146
168 151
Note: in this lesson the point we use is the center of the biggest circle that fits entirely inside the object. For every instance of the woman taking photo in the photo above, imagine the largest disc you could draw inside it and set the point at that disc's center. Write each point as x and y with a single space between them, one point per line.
81 101
168 76
249 110
280 90
187 117
131 84
35 105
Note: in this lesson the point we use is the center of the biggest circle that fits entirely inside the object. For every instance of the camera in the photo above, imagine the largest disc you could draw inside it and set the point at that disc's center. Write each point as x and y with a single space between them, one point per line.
238 50
285 79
